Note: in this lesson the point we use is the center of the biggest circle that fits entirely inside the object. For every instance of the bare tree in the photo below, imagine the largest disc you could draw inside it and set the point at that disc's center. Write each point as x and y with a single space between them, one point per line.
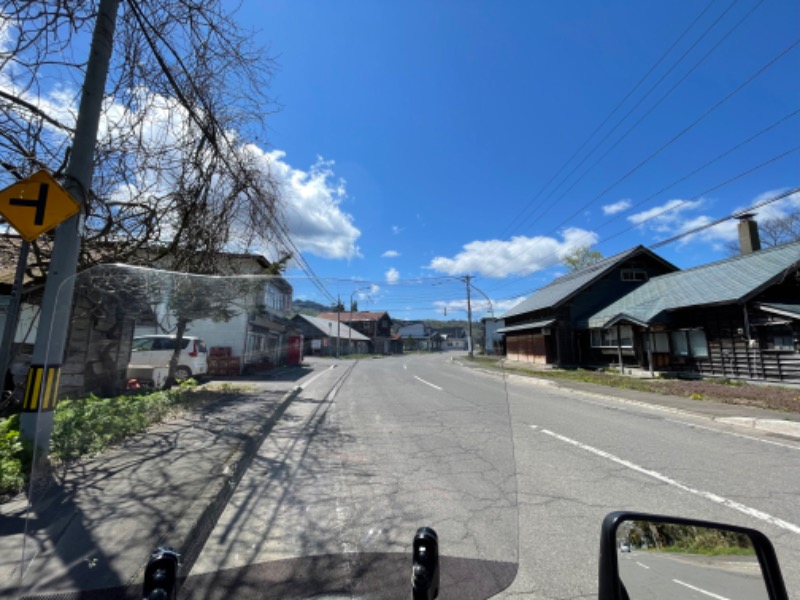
775 231
176 175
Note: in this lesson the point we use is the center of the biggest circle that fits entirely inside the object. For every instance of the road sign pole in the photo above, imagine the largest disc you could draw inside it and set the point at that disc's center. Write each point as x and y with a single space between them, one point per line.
36 421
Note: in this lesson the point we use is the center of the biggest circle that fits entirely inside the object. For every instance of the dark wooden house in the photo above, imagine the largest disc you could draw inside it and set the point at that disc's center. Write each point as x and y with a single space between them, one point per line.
737 318
550 327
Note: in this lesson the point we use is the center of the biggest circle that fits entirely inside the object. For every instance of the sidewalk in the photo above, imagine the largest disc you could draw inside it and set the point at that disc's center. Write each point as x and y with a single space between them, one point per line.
774 422
93 525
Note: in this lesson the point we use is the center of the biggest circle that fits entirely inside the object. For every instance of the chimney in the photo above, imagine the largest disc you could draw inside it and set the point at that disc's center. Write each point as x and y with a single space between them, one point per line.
749 241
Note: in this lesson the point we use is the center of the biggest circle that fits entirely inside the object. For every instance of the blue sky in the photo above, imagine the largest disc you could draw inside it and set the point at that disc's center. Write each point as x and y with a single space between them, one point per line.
434 129
420 142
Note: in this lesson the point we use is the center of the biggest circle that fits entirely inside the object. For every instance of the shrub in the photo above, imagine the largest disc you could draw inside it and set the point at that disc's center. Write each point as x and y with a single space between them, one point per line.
88 425
12 457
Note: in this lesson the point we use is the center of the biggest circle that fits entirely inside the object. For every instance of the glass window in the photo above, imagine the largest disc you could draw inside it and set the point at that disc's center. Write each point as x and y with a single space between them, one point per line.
698 343
607 338
634 275
680 343
661 340
778 338
626 336
142 345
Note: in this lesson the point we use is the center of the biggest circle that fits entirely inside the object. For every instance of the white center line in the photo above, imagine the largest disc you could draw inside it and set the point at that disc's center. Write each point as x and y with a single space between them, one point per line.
427 383
749 511
641 565
697 589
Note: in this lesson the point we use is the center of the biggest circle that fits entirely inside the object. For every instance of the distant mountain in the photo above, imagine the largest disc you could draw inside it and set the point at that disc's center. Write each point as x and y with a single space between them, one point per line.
308 307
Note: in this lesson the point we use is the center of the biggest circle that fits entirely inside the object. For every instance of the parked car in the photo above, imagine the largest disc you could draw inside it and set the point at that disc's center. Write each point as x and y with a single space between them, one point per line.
624 547
152 351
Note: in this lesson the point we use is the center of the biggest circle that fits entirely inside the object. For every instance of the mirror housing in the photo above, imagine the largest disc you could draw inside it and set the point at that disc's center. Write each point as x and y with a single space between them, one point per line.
610 587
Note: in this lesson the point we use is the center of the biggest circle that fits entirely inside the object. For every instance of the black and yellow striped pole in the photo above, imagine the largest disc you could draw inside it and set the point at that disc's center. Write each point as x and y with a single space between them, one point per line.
41 389
36 421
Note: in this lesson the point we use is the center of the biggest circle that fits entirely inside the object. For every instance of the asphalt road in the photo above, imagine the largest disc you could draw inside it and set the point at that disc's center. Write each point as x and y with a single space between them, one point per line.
666 576
373 448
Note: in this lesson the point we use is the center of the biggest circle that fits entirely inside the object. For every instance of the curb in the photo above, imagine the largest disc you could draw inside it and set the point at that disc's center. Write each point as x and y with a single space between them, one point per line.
194 530
783 427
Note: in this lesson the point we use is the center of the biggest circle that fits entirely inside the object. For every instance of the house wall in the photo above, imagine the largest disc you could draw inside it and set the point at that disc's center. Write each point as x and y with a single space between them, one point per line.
612 287
98 347
731 354
566 345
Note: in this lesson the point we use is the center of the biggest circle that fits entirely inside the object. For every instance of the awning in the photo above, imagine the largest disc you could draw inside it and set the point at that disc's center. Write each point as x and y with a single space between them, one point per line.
785 310
526 326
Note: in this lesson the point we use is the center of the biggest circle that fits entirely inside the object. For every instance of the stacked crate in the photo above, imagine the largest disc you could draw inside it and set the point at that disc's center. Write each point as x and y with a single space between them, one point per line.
220 361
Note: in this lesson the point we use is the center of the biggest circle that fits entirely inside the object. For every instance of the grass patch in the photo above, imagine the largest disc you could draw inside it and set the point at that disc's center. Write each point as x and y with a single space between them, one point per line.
729 391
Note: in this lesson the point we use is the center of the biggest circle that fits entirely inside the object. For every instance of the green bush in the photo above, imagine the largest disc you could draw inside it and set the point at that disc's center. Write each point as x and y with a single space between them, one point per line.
12 457
88 425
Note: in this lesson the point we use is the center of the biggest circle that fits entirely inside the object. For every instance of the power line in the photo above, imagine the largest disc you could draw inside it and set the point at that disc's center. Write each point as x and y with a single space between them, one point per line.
684 131
654 106
723 219
694 199
638 84
211 134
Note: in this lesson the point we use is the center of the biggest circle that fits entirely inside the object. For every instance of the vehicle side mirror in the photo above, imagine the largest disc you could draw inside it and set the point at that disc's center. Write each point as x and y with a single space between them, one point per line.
658 556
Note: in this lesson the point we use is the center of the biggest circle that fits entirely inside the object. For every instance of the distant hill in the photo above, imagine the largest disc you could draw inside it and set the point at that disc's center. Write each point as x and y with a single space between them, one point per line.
308 307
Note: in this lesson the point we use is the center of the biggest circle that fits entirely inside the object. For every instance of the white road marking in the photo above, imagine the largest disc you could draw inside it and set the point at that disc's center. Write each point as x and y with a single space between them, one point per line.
749 511
313 379
608 401
641 565
427 383
697 589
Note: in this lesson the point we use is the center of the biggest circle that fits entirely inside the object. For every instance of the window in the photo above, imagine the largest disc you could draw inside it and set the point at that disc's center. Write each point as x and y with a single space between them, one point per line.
660 342
142 345
778 338
634 275
698 345
607 338
680 343
690 342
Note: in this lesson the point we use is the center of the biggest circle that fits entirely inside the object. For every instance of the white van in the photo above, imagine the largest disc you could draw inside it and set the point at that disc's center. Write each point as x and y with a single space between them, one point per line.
152 351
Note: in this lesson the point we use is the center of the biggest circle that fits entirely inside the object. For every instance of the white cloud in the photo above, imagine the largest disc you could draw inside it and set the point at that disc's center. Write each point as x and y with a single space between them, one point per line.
314 217
390 254
518 256
667 216
679 216
616 207
479 306
392 276
396 229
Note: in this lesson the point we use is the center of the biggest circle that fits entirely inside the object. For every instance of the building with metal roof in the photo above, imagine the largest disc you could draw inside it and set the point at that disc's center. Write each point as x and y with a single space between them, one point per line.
738 317
546 327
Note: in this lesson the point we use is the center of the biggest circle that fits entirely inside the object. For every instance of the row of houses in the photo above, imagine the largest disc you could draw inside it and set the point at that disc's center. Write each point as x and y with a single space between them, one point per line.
112 305
736 318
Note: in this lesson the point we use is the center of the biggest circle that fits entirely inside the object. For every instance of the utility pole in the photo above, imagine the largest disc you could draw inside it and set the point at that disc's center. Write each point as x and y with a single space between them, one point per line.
339 308
36 421
469 316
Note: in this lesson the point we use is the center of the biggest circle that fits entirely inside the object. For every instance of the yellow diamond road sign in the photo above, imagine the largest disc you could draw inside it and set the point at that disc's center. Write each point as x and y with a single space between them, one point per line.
36 205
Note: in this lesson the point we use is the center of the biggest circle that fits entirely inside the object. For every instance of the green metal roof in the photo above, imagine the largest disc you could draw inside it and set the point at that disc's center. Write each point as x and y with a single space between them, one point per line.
526 326
564 288
733 280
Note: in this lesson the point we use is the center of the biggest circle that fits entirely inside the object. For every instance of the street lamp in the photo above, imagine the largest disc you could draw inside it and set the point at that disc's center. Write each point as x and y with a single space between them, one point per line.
350 322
